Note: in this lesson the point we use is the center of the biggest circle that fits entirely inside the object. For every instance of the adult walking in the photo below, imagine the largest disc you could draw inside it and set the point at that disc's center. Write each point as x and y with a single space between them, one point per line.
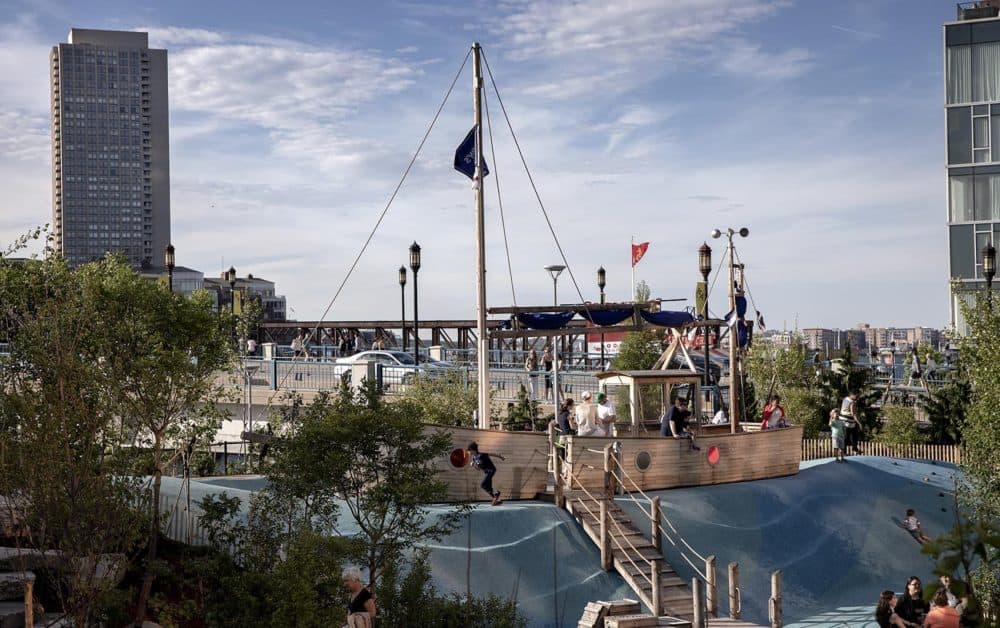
531 365
852 421
361 608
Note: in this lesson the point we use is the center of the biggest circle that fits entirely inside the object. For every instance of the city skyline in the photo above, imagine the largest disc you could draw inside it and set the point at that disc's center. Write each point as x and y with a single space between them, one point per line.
818 127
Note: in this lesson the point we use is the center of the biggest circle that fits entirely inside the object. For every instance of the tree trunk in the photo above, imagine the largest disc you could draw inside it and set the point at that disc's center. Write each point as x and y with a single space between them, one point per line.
154 535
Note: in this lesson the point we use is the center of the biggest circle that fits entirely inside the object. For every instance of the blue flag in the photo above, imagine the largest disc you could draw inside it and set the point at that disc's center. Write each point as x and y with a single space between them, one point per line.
465 156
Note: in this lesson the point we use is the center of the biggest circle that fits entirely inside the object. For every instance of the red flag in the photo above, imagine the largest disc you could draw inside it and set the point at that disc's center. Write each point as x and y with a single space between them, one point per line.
638 250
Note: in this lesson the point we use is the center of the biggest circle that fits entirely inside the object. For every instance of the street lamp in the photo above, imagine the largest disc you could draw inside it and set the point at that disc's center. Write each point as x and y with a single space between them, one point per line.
601 282
169 260
231 278
415 266
989 270
555 270
402 304
705 266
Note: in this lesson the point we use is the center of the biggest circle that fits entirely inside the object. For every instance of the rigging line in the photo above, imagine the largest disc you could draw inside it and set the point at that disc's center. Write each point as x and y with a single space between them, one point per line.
747 285
496 174
381 217
534 189
714 279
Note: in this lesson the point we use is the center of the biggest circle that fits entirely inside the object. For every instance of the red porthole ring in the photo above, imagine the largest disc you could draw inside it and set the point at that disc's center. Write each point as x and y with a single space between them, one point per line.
459 458
713 455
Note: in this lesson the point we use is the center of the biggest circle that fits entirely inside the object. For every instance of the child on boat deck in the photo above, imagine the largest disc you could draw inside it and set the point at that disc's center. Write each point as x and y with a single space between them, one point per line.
483 462
912 525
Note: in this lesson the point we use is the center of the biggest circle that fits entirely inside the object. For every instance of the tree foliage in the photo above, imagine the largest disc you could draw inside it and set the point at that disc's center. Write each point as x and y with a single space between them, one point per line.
899 426
638 351
946 409
444 399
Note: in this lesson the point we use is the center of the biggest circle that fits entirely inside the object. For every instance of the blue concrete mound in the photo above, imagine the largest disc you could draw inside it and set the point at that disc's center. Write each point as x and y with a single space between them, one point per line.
833 530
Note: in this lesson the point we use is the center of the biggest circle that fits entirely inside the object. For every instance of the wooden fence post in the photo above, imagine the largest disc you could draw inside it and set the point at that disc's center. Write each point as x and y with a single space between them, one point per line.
711 586
654 519
774 610
698 615
657 589
605 546
734 591
557 471
29 602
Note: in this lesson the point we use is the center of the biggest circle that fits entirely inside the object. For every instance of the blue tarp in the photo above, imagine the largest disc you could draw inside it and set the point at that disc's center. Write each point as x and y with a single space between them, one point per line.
607 317
541 320
667 319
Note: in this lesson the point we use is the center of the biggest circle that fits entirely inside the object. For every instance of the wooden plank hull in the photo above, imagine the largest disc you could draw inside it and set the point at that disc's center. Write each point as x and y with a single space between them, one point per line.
524 472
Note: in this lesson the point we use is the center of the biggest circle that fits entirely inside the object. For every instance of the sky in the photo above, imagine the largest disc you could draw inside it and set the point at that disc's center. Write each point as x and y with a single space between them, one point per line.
817 125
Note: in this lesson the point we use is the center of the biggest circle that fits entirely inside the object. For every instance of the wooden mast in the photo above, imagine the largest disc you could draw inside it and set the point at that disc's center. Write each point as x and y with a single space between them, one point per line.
734 379
482 341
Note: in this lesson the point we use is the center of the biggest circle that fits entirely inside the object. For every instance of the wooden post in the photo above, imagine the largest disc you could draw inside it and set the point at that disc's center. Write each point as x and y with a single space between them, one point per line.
609 471
654 518
605 545
225 458
557 470
657 591
698 617
711 586
734 591
29 602
774 610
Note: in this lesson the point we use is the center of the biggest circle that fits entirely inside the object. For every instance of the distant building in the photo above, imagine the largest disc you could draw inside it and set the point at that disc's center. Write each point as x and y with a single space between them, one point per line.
249 287
110 147
972 119
186 280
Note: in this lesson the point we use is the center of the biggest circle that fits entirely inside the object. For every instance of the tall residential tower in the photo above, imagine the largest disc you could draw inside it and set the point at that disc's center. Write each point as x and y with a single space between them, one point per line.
110 147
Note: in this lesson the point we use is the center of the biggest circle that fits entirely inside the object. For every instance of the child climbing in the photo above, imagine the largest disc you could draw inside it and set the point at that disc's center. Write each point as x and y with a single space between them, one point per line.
912 525
483 462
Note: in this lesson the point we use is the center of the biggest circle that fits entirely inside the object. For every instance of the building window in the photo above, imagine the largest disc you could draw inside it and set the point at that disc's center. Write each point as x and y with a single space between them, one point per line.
961 199
959 73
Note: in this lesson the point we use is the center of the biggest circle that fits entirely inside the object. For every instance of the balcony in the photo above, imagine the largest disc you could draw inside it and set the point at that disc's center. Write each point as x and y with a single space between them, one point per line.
978 10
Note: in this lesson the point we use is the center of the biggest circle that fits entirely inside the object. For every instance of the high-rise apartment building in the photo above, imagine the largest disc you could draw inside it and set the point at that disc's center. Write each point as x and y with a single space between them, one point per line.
110 152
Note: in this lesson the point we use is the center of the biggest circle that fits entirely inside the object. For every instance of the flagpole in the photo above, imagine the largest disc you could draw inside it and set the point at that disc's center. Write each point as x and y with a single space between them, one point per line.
631 259
482 341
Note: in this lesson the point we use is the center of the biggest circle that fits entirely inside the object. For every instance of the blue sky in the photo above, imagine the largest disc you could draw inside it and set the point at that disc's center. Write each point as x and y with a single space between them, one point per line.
818 125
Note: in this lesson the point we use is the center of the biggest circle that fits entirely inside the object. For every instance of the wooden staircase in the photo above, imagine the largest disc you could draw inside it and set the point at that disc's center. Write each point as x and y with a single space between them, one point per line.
631 554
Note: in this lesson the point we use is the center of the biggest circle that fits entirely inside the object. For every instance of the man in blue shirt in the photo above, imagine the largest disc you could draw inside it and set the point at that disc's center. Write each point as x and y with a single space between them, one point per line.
674 422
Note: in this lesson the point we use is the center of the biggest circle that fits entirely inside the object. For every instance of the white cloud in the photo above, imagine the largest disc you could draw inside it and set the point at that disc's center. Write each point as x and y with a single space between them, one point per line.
742 58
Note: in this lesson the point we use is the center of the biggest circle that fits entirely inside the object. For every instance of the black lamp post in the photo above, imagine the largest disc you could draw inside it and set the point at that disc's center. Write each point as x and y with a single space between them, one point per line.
601 282
989 270
415 266
705 266
169 260
402 304
231 278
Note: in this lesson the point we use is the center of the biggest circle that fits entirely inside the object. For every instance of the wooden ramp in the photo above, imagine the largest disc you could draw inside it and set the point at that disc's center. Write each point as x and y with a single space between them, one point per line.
632 554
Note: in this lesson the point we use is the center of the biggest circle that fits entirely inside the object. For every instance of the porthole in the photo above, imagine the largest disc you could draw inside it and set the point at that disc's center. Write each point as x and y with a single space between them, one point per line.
642 460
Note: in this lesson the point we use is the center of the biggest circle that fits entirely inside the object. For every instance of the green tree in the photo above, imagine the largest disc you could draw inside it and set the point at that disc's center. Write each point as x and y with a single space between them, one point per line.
790 373
970 554
642 291
444 399
63 471
899 426
638 351
380 460
946 409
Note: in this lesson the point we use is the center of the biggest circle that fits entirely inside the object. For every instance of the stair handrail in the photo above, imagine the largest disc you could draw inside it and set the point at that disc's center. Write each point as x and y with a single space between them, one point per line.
663 516
651 564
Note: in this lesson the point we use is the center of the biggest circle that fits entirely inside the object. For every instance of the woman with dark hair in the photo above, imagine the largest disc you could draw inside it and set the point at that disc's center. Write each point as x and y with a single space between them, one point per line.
912 607
566 419
885 612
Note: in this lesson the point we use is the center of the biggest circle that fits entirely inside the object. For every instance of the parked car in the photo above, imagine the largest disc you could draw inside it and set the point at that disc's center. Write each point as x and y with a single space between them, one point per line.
397 366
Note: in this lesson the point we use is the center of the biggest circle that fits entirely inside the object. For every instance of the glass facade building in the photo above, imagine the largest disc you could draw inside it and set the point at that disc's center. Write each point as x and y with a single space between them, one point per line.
972 122
110 147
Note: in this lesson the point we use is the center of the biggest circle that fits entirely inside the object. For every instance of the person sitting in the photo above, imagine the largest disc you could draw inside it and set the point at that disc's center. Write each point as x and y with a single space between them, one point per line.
774 414
721 417
885 612
674 422
945 580
586 417
942 615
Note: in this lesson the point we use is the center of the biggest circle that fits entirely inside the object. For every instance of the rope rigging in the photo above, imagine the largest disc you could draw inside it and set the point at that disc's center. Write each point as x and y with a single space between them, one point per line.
503 223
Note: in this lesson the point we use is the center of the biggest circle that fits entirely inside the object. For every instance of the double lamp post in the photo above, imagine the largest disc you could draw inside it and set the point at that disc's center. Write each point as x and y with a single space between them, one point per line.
415 267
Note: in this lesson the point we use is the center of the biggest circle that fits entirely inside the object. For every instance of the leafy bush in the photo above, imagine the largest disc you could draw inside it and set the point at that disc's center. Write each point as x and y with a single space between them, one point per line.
899 427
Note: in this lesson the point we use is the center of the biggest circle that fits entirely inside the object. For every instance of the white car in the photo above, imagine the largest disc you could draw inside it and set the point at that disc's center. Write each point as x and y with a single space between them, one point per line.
397 366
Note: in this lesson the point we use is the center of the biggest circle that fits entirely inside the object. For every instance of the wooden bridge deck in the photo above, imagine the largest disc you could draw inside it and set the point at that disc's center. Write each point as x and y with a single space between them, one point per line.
628 542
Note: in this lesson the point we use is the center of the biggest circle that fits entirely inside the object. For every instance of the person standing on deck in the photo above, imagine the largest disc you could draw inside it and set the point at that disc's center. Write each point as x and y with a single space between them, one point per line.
852 421
586 417
606 416
674 422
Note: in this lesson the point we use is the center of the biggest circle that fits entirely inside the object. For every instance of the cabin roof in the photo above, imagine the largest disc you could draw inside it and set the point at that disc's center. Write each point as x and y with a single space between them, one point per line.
658 375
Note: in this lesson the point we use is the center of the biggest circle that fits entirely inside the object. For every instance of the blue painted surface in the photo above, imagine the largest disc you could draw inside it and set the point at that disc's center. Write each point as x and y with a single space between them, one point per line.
832 529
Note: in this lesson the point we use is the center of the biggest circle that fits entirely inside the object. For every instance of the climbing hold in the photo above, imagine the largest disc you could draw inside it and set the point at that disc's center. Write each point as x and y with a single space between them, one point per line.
926 479
940 494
